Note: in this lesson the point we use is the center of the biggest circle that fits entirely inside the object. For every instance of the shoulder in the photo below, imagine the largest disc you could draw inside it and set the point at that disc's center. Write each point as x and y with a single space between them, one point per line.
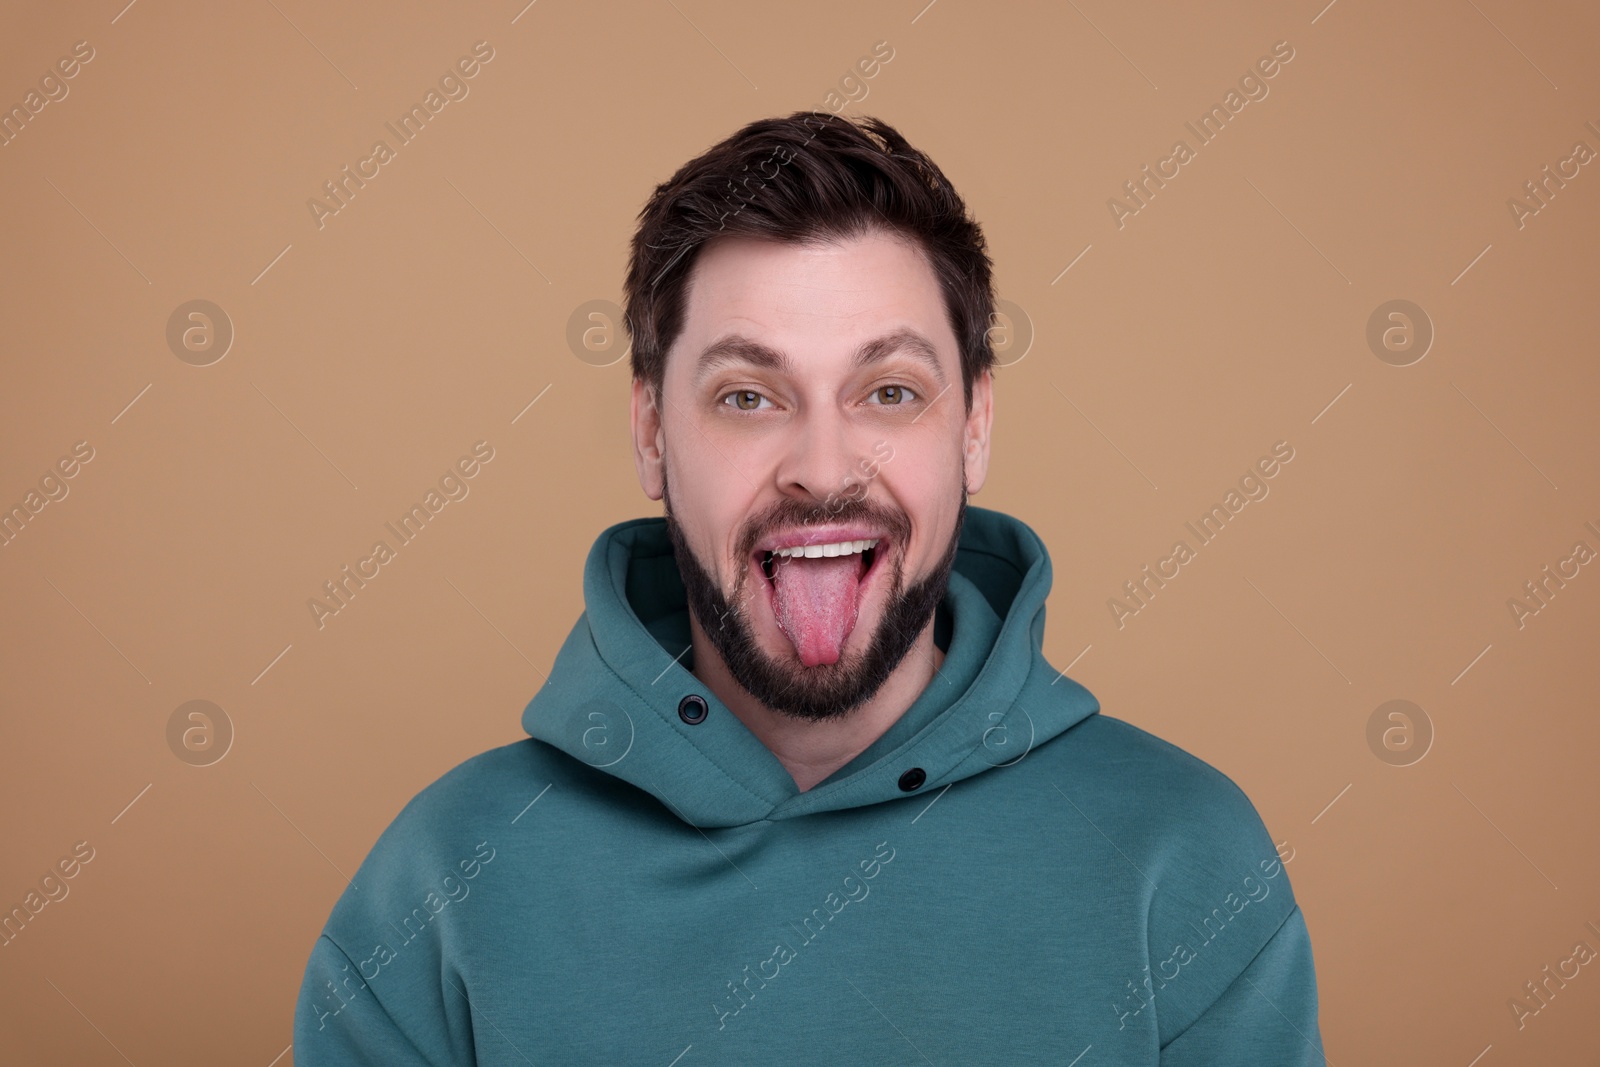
1216 889
448 831
1164 800
482 788
399 930
1197 840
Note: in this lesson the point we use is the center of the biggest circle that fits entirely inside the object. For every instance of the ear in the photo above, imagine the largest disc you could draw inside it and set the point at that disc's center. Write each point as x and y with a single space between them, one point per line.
975 437
649 439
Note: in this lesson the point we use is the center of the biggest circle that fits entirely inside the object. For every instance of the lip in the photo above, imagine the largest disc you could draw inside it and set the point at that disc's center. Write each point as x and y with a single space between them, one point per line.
818 535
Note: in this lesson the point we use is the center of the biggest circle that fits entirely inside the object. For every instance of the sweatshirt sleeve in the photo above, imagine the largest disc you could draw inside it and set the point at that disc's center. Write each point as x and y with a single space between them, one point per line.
340 1021
1268 1014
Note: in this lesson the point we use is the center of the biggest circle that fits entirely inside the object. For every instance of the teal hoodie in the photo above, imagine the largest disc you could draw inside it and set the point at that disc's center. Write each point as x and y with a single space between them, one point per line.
1006 876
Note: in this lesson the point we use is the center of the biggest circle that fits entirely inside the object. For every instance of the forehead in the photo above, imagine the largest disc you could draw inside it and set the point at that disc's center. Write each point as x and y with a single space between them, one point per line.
813 298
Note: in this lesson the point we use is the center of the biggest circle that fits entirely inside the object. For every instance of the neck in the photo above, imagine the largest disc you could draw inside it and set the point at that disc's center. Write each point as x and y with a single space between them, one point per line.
811 751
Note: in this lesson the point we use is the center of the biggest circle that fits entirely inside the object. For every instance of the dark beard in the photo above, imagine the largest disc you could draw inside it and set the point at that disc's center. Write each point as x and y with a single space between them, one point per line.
826 691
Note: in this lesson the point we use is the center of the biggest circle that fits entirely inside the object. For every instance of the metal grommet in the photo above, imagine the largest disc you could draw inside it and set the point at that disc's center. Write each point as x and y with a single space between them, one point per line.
693 709
912 780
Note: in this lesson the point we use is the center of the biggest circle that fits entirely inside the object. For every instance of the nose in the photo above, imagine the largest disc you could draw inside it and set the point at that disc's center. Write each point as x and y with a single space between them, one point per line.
819 460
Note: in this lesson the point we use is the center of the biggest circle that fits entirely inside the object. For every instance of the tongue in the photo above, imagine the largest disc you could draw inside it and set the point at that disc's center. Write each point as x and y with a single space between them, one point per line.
815 601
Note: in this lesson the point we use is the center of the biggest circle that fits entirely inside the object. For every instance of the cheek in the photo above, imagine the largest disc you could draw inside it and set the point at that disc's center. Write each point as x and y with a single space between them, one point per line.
709 448
712 503
924 482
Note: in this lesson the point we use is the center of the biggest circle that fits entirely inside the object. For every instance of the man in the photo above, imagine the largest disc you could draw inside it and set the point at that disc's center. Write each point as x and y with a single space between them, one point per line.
802 787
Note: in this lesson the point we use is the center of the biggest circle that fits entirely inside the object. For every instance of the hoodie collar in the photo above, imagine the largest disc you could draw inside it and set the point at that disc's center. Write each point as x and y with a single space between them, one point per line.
617 684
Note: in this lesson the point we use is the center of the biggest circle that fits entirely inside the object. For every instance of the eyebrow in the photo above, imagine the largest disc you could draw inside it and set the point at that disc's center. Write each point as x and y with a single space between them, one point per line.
737 348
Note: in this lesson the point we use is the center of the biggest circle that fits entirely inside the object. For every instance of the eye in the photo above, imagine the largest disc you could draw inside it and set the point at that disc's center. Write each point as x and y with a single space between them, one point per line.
746 400
892 395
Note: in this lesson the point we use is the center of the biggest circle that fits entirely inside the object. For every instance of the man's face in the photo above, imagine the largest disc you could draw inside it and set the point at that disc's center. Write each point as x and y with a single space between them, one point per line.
820 453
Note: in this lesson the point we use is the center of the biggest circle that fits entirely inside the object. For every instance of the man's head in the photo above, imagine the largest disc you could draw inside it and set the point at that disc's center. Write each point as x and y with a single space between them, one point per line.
807 301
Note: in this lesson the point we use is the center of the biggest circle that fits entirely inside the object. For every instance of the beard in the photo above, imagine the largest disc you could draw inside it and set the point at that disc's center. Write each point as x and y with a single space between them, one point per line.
825 691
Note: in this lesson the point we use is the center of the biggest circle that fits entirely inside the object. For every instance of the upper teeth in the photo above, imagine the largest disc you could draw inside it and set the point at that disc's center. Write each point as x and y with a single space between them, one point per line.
841 548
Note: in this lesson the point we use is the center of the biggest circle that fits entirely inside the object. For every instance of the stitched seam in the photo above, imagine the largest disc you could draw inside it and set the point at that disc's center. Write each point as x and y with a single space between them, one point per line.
367 986
1236 979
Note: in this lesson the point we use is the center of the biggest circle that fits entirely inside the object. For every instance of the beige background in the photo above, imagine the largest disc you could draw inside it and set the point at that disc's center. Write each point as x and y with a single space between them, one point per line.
1228 314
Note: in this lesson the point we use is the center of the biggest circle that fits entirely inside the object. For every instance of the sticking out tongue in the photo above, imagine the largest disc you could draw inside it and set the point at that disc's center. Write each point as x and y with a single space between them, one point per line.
815 602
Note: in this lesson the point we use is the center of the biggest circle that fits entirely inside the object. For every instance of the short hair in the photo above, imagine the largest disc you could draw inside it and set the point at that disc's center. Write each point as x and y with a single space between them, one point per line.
808 177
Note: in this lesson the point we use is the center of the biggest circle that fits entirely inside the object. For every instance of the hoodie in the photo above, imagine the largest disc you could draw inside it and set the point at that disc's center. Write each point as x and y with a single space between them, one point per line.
1006 876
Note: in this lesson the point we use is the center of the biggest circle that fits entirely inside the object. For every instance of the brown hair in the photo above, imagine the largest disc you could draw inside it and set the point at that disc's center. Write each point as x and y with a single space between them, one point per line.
809 177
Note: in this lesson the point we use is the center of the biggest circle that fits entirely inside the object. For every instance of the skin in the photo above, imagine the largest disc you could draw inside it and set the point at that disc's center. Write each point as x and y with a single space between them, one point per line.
814 425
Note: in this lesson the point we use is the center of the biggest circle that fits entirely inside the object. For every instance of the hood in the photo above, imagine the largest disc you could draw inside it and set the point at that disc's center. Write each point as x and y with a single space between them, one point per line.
614 692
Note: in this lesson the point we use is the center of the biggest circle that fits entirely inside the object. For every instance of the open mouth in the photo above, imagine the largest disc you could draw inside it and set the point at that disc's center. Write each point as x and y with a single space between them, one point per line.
815 589
865 548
